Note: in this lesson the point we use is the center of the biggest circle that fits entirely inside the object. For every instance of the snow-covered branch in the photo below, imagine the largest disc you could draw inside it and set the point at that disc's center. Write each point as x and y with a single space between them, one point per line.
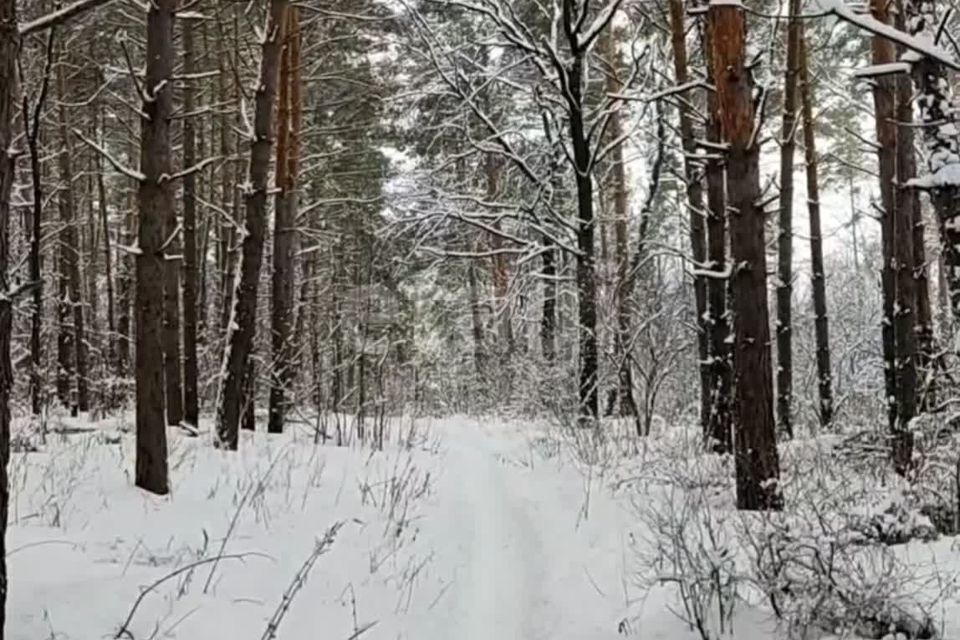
116 164
60 16
868 23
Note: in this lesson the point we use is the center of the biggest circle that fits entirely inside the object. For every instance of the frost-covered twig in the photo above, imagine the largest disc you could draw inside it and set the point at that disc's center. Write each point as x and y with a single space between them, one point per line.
125 627
322 546
236 516
116 164
868 23
59 16
189 171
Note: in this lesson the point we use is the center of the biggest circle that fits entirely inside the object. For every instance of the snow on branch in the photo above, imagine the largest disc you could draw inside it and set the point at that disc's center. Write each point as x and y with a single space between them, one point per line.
116 164
189 171
60 16
719 275
603 19
868 23
877 70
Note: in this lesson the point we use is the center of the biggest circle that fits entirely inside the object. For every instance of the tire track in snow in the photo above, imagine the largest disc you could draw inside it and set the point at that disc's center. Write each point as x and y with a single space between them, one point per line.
493 593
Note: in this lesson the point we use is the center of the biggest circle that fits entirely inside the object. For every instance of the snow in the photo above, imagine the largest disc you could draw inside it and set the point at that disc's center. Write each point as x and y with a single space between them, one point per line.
881 69
83 541
59 16
947 176
921 45
459 528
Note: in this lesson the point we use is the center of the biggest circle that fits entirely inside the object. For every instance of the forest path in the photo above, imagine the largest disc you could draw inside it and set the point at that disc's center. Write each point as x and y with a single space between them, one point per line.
514 557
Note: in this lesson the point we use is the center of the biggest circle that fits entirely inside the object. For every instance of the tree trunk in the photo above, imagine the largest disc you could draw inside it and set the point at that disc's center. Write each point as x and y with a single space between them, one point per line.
940 118
155 200
125 290
241 331
624 288
548 314
248 417
821 322
71 342
719 434
9 46
229 192
785 237
285 224
694 191
588 394
475 320
757 461
500 269
172 376
899 337
884 100
191 401
31 122
110 356
908 321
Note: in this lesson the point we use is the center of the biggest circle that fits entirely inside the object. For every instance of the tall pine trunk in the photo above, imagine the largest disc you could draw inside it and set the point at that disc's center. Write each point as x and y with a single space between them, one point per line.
908 319
71 346
588 392
940 119
191 401
9 46
548 311
285 224
110 356
621 206
694 192
155 201
173 379
818 277
31 125
757 461
884 101
719 434
242 327
785 237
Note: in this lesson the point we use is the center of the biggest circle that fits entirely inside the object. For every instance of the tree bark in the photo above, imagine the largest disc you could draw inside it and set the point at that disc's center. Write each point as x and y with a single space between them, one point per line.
884 100
172 376
548 313
229 189
588 396
818 276
155 201
693 177
757 461
939 114
9 47
71 346
719 433
500 269
242 327
125 289
624 290
908 320
191 401
31 124
285 224
476 322
785 236
110 357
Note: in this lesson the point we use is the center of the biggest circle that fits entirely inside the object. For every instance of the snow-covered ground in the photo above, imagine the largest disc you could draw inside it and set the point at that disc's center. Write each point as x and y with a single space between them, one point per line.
495 540
468 529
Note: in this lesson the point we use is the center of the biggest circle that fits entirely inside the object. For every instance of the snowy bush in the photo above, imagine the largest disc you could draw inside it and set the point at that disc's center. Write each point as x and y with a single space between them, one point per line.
835 561
829 563
689 546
